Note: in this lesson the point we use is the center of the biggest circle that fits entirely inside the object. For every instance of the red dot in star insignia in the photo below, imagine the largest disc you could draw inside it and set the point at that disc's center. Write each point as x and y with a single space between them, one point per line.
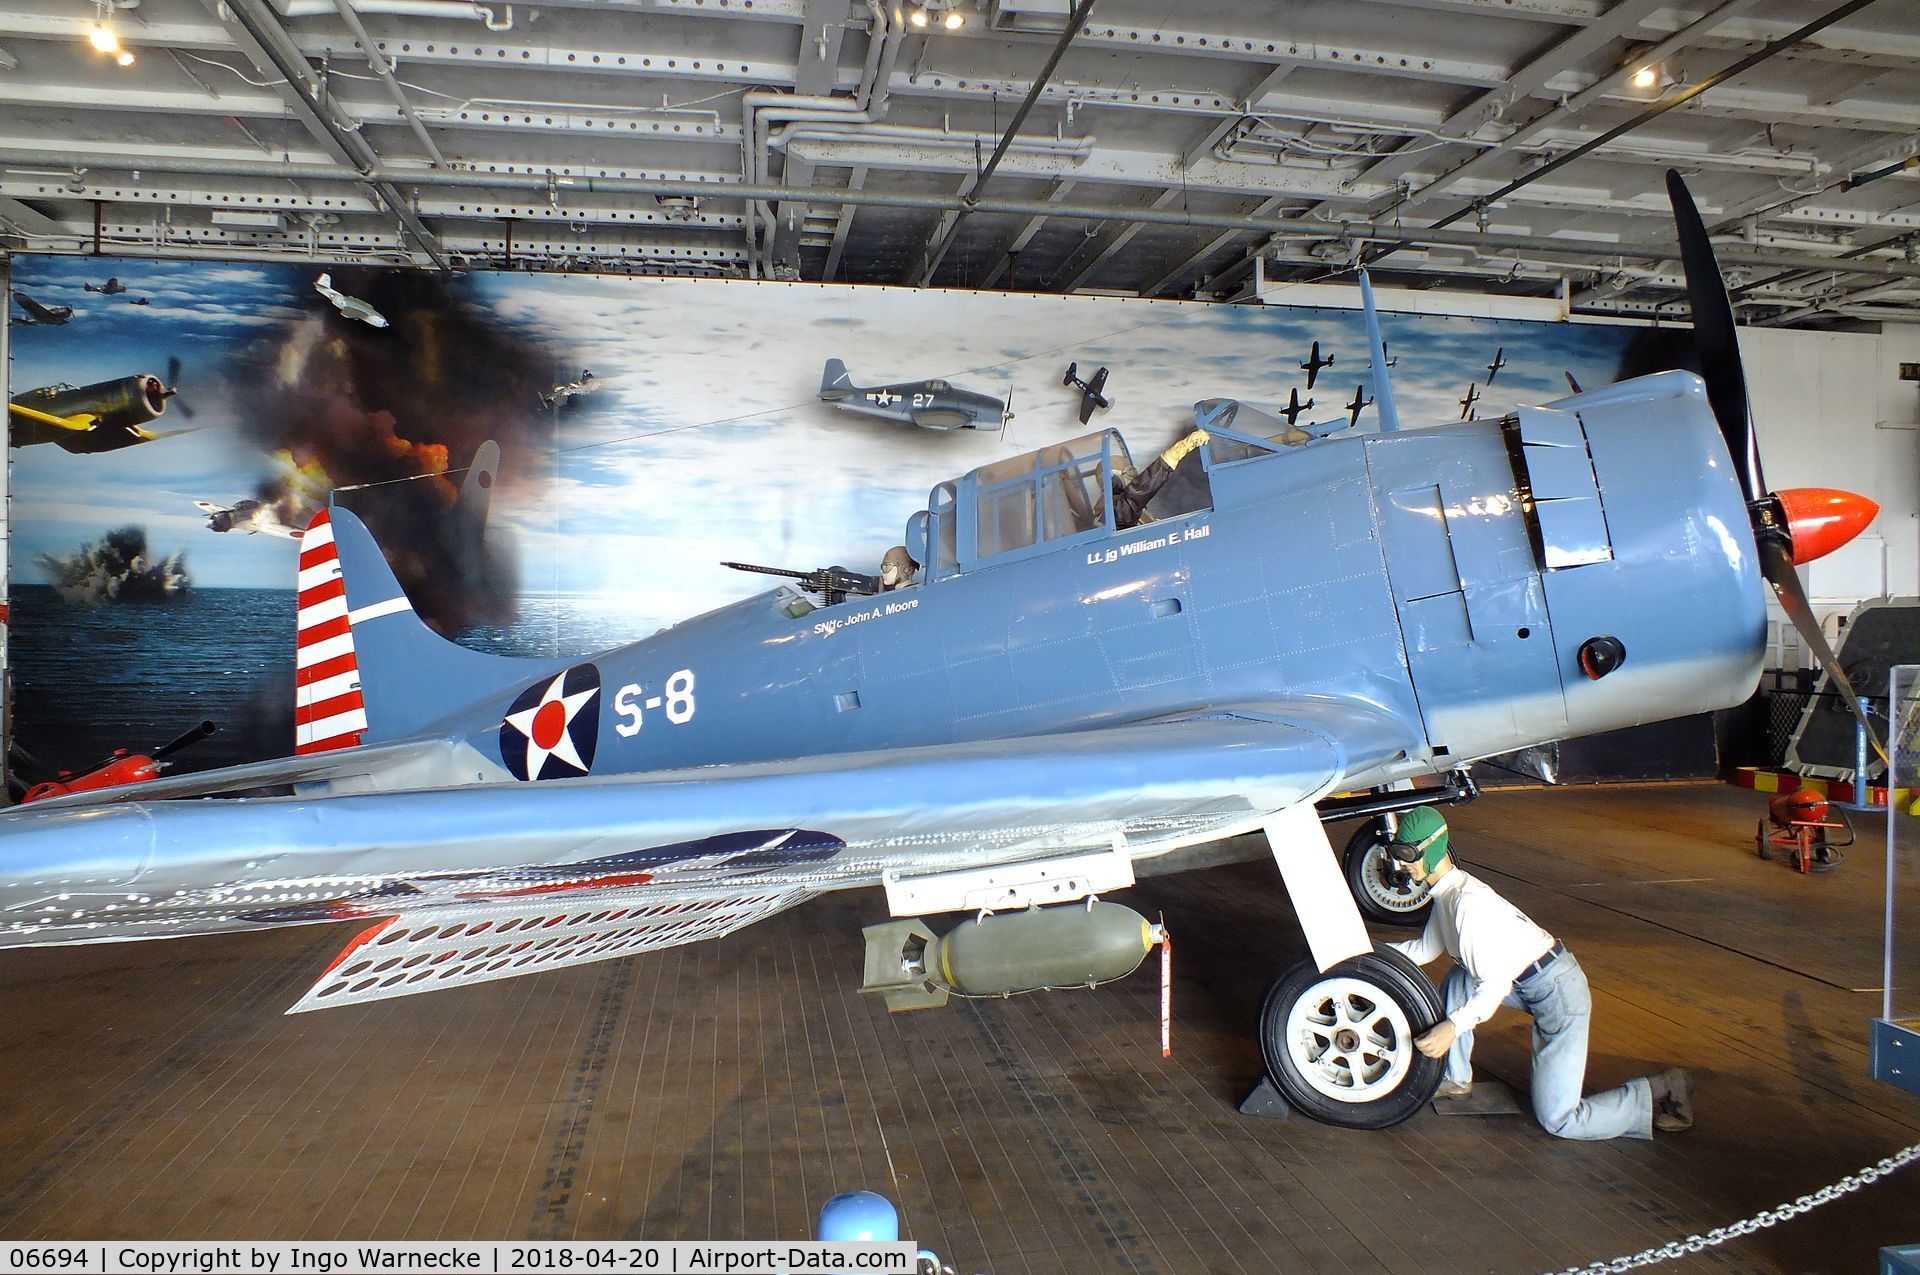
550 725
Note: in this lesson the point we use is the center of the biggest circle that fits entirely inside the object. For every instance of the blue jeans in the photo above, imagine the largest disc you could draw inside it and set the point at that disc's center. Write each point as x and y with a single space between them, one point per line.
1562 1007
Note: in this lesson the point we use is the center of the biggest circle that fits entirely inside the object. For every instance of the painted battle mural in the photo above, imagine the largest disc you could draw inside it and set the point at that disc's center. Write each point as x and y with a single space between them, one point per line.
557 464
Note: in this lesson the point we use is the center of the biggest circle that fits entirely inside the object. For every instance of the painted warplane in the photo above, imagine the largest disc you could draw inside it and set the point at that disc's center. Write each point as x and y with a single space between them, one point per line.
255 517
1467 401
1294 406
1392 360
1499 361
1054 699
38 315
352 307
1092 392
1356 404
567 391
102 417
1314 363
111 287
930 404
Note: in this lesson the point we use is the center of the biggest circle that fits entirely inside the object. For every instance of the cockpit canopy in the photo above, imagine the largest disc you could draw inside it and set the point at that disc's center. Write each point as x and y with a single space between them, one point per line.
1020 506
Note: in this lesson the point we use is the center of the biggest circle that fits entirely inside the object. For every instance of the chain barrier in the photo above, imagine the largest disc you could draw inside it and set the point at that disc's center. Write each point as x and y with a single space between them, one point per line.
1758 1222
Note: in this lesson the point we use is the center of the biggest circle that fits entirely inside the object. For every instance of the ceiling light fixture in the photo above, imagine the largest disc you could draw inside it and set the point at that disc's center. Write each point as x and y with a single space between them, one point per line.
103 38
125 58
917 17
954 20
1646 77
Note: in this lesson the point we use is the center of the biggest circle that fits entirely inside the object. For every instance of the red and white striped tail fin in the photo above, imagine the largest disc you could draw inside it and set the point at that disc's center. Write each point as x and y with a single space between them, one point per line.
328 711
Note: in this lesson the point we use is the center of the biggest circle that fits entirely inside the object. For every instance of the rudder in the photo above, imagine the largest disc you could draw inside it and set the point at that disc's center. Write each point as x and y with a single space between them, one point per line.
366 668
834 381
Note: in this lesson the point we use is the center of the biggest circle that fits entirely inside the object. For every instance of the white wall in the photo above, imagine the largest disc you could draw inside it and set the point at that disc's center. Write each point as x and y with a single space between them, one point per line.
1832 412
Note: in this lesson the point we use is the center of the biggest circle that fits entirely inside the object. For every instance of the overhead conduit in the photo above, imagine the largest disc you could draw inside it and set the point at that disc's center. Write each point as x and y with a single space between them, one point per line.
762 108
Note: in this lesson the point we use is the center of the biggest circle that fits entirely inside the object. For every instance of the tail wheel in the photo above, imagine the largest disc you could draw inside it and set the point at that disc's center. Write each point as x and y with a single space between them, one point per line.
1339 1045
1370 879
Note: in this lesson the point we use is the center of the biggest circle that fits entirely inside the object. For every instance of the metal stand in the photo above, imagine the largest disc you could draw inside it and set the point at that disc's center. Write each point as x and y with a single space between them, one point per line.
1862 786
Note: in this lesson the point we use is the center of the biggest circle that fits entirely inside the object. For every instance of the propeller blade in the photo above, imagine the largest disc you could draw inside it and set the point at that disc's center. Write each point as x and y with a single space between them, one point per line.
1714 338
173 370
1776 564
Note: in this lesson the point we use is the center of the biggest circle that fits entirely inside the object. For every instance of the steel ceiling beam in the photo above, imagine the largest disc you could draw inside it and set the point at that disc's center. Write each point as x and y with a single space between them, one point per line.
842 227
378 63
1024 236
1118 241
1619 21
1572 250
1656 110
257 34
971 190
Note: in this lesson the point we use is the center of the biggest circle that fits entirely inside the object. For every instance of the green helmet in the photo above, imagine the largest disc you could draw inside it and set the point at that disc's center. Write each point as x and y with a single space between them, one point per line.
1422 829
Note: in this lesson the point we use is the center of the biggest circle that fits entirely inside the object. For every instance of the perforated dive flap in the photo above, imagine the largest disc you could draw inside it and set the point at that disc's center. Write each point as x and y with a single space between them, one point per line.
437 948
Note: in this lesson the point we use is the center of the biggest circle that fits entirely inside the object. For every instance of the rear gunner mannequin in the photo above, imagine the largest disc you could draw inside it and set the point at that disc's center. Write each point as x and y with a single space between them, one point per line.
1502 958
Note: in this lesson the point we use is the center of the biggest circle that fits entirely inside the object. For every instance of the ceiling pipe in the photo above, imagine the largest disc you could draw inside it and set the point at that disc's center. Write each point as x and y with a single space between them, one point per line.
1582 251
254 22
1653 112
761 108
1673 44
378 62
971 192
1075 147
456 9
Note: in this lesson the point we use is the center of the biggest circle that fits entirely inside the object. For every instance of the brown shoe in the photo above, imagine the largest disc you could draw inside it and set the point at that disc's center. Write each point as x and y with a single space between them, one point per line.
1450 1090
1672 1100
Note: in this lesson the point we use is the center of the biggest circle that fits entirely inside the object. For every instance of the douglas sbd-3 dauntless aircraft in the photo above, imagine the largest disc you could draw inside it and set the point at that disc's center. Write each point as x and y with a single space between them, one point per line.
1057 697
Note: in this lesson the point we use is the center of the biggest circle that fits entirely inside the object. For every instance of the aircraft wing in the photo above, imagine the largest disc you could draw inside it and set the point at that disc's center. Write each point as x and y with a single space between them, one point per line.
78 423
493 880
730 846
411 764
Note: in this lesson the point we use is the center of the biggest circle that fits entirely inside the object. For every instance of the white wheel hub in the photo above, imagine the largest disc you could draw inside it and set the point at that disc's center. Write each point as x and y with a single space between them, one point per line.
1349 1040
1381 890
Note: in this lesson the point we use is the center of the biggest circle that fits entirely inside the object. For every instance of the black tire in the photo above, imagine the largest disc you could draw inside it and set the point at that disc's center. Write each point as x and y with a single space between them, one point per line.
1384 1001
1367 862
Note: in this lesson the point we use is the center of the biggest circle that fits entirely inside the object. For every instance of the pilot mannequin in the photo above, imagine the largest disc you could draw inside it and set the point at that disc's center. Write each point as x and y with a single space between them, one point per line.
1502 958
897 569
1132 491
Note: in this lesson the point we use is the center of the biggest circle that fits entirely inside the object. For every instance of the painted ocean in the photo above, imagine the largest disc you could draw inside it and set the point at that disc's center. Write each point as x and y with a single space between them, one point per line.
88 680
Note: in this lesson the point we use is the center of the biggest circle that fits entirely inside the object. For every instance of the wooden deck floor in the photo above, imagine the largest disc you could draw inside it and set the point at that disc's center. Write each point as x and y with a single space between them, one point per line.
723 1091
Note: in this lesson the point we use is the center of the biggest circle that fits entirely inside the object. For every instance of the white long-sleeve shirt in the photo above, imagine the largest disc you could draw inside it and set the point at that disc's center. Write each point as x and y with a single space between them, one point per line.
1490 938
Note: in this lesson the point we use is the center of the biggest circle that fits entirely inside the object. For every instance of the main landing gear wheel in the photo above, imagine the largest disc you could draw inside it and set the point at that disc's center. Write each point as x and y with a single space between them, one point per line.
1369 868
1339 1045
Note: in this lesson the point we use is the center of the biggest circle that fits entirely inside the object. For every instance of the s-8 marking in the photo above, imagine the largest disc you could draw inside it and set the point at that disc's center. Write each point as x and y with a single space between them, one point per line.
677 697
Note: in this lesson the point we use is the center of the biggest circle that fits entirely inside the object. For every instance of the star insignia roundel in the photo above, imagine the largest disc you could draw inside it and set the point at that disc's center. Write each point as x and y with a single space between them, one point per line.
550 731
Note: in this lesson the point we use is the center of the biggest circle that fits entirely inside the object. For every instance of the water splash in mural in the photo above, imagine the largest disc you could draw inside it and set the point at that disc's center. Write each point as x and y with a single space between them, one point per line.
117 568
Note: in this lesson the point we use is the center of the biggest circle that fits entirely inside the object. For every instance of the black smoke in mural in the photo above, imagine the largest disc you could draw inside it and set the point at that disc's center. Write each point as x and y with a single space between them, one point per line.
117 568
392 416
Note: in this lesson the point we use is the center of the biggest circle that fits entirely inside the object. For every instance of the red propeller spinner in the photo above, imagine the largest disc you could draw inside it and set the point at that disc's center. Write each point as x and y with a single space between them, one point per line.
1821 519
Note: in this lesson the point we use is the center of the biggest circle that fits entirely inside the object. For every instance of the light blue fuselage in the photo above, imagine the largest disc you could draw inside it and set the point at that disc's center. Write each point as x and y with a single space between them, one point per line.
1404 571
1393 604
